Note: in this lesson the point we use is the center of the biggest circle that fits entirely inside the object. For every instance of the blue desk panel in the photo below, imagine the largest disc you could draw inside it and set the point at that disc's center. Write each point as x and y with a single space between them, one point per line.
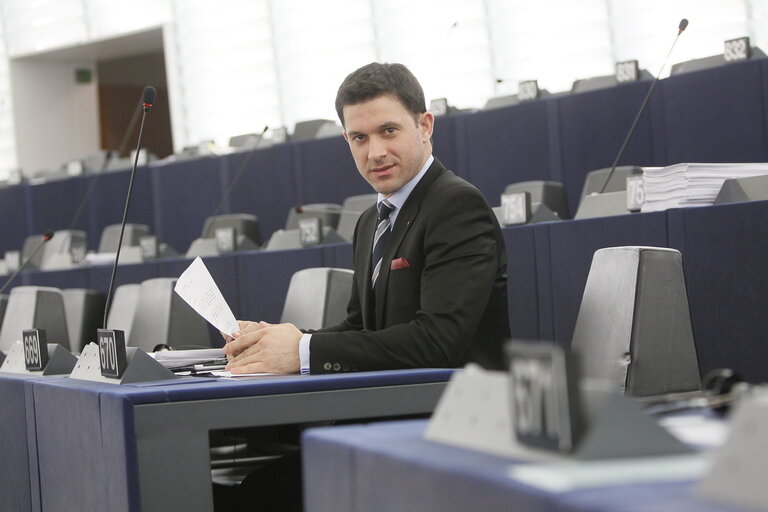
107 203
717 115
326 171
572 245
141 447
725 258
522 282
16 485
72 278
444 145
53 205
15 220
264 278
266 187
99 276
503 146
186 193
385 467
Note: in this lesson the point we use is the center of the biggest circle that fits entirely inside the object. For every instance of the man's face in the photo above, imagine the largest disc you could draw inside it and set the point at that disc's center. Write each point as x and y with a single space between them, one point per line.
389 144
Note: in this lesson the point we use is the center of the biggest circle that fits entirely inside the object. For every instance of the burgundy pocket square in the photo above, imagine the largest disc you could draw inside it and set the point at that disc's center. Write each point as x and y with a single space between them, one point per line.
399 263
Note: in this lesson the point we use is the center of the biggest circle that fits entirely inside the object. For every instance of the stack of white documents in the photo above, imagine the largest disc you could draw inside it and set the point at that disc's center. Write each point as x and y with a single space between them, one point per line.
691 184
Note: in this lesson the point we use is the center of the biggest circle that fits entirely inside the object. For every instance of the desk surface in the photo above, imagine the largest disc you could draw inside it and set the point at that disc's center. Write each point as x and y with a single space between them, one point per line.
390 467
146 446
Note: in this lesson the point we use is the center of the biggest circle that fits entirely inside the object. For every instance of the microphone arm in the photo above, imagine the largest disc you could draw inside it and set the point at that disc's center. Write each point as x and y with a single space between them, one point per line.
681 27
149 99
47 236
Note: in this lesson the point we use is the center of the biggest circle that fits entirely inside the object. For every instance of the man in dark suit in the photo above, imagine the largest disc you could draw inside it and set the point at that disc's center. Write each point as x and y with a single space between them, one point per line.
430 267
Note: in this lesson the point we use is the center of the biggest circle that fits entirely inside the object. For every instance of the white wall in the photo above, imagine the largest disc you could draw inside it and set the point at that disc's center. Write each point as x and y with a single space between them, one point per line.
56 119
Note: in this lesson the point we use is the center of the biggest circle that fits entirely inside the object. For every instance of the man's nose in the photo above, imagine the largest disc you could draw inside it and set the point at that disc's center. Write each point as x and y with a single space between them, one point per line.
377 149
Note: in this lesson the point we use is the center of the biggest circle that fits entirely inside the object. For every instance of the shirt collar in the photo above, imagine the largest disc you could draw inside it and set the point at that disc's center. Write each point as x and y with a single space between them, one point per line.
399 198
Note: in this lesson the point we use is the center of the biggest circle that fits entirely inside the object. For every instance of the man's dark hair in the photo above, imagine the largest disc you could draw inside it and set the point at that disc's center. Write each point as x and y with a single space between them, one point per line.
377 79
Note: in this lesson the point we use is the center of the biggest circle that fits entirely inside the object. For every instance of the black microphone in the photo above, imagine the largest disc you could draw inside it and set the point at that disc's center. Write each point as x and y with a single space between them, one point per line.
147 101
680 28
46 236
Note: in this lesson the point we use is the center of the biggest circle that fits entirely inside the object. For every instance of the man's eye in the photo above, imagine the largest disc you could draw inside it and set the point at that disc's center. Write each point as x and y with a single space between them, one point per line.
359 138
389 131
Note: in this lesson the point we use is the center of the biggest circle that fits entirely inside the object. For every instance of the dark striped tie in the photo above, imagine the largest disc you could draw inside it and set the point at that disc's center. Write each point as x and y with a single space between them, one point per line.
380 240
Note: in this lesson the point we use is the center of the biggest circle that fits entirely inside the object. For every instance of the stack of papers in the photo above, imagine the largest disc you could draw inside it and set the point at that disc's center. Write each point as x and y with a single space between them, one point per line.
691 184
181 358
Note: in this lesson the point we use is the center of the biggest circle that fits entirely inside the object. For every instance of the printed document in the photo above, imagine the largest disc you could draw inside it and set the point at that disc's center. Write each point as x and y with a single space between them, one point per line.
199 290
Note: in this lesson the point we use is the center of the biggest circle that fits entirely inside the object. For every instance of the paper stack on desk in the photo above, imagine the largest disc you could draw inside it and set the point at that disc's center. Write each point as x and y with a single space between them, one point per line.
691 184
179 358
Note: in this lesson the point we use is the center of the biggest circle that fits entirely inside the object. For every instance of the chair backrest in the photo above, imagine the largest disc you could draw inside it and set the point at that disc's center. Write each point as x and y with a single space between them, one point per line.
85 311
328 213
315 129
548 193
243 224
595 180
37 307
317 297
123 308
111 234
163 317
350 211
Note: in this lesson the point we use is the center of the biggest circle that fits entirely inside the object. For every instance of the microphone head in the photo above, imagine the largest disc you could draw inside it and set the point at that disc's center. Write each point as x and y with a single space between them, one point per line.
47 235
149 96
299 209
683 25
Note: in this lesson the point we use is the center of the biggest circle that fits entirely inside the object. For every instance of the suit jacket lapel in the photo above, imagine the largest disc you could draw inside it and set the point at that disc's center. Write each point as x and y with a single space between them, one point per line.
403 223
364 242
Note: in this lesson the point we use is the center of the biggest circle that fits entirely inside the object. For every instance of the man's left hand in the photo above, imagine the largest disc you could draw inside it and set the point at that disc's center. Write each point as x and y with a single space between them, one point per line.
272 348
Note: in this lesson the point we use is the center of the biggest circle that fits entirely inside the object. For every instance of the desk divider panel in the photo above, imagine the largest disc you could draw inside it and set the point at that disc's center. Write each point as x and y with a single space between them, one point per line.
53 205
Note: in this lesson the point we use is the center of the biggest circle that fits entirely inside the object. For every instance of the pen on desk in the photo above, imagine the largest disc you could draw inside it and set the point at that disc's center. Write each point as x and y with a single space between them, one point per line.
209 367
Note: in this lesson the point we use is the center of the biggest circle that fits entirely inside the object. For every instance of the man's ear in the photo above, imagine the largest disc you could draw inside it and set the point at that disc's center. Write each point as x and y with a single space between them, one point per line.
426 125
346 137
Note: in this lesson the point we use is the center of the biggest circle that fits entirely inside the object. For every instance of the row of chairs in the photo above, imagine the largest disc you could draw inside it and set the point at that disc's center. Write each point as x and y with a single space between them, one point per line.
240 231
151 314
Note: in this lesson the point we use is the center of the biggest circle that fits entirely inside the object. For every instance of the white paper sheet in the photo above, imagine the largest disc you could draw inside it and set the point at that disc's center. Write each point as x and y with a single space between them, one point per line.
571 475
199 290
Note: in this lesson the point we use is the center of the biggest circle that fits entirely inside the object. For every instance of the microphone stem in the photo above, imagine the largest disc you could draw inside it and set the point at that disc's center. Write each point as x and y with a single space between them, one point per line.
23 264
125 216
637 116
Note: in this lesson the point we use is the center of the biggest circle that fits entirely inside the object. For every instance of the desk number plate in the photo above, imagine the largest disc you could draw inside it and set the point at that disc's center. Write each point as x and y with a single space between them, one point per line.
310 231
544 396
35 349
112 353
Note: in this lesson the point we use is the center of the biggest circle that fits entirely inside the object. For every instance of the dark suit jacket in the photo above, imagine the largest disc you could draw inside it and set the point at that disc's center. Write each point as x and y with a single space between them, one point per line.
447 307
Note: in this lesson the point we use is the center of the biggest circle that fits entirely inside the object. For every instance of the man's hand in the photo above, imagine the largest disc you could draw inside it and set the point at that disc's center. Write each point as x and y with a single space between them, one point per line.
262 347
